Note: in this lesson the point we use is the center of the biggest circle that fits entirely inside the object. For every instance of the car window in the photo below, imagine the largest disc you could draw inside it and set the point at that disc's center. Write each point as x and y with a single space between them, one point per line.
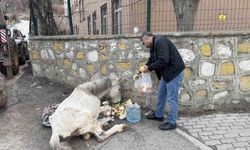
16 33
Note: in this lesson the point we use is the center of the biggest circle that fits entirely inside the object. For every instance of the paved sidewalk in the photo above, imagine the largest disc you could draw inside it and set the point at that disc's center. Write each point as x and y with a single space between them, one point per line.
220 131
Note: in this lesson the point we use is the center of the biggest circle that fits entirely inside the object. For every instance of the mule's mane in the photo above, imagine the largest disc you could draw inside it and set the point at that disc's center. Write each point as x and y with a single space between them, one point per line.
97 87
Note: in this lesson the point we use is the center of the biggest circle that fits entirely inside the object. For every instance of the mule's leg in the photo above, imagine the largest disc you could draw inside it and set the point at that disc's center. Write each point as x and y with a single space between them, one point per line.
102 135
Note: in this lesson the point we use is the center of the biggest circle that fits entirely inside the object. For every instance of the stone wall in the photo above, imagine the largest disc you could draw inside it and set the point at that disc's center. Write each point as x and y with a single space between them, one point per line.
217 70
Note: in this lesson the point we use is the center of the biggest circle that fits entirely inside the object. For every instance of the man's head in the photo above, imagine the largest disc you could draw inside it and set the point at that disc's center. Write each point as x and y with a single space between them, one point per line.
147 39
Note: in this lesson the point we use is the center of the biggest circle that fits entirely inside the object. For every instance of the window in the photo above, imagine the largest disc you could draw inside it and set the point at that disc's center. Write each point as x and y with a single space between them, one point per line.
89 25
104 18
117 17
81 10
16 33
76 29
94 23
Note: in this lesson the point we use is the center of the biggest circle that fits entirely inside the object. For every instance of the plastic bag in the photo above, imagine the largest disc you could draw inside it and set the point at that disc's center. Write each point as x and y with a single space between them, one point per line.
146 83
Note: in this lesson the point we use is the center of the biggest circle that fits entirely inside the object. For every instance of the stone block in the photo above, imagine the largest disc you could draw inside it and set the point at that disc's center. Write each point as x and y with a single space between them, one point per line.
70 54
92 56
103 58
58 61
80 55
224 146
37 69
104 70
82 73
103 47
227 69
244 65
123 65
58 47
201 94
219 84
220 95
122 46
245 83
127 74
142 55
206 50
35 55
207 69
44 55
187 55
185 97
188 72
198 82
244 47
90 68
51 54
67 63
224 50
74 67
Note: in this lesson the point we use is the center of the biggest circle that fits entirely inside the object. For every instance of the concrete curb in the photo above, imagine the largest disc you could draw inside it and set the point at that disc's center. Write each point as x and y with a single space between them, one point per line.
193 140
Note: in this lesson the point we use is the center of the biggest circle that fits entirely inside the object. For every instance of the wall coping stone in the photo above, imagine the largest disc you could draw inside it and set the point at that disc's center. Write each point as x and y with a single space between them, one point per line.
169 34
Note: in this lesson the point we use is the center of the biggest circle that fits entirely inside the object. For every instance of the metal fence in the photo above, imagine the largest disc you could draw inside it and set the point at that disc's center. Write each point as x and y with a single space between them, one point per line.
127 16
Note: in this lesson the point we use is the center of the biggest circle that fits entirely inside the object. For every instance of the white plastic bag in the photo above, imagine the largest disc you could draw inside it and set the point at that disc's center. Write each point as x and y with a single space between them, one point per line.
137 83
145 83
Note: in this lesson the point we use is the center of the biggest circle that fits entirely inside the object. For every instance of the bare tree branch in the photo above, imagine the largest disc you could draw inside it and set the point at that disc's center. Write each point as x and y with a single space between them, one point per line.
44 12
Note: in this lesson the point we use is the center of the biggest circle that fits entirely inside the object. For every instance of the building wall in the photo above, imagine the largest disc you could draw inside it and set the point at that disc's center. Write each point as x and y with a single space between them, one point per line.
163 17
217 71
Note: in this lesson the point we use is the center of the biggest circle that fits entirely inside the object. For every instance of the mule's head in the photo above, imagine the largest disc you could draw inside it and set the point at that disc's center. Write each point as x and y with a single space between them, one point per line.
115 91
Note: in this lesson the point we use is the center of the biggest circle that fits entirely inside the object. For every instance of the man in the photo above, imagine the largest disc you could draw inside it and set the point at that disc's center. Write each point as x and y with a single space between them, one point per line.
168 65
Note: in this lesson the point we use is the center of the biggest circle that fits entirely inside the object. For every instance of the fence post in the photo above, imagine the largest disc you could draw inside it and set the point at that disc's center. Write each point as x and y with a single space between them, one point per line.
70 17
148 15
33 21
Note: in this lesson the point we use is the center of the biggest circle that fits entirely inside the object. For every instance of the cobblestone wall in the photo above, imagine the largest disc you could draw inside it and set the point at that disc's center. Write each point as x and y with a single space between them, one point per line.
217 65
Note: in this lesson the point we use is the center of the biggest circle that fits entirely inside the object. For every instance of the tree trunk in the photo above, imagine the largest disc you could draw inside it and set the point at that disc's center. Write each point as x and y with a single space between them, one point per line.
44 12
185 11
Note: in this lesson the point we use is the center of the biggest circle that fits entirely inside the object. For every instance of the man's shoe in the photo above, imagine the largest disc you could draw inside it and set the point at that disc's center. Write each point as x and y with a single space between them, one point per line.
153 117
167 126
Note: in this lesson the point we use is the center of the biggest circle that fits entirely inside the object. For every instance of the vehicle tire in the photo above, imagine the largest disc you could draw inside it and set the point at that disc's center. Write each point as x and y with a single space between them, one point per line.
3 93
22 57
27 56
14 58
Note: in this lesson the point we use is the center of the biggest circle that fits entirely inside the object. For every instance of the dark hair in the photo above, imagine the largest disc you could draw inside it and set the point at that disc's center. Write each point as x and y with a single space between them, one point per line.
146 34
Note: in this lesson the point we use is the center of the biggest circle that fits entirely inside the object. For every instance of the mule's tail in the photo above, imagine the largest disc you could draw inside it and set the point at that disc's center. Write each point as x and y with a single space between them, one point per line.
54 141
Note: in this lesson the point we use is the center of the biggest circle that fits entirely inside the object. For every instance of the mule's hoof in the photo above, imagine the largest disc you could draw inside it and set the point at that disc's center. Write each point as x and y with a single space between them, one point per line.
124 126
86 136
121 127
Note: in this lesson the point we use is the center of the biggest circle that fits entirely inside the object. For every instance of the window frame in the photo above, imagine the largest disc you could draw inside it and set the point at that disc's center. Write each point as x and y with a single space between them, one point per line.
104 18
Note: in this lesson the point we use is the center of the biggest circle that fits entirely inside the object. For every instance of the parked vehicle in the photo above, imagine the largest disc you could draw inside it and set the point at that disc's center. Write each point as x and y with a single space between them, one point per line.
9 62
22 45
3 92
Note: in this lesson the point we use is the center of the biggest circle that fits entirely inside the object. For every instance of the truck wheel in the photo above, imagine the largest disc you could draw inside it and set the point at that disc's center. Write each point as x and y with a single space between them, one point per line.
27 56
22 57
14 59
3 93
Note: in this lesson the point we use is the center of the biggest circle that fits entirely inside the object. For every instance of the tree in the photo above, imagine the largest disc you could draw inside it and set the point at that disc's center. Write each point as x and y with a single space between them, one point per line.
7 5
13 6
44 13
185 11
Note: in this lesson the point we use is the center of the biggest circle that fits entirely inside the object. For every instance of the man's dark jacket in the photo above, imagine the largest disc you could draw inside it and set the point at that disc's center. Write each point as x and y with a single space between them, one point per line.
165 59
